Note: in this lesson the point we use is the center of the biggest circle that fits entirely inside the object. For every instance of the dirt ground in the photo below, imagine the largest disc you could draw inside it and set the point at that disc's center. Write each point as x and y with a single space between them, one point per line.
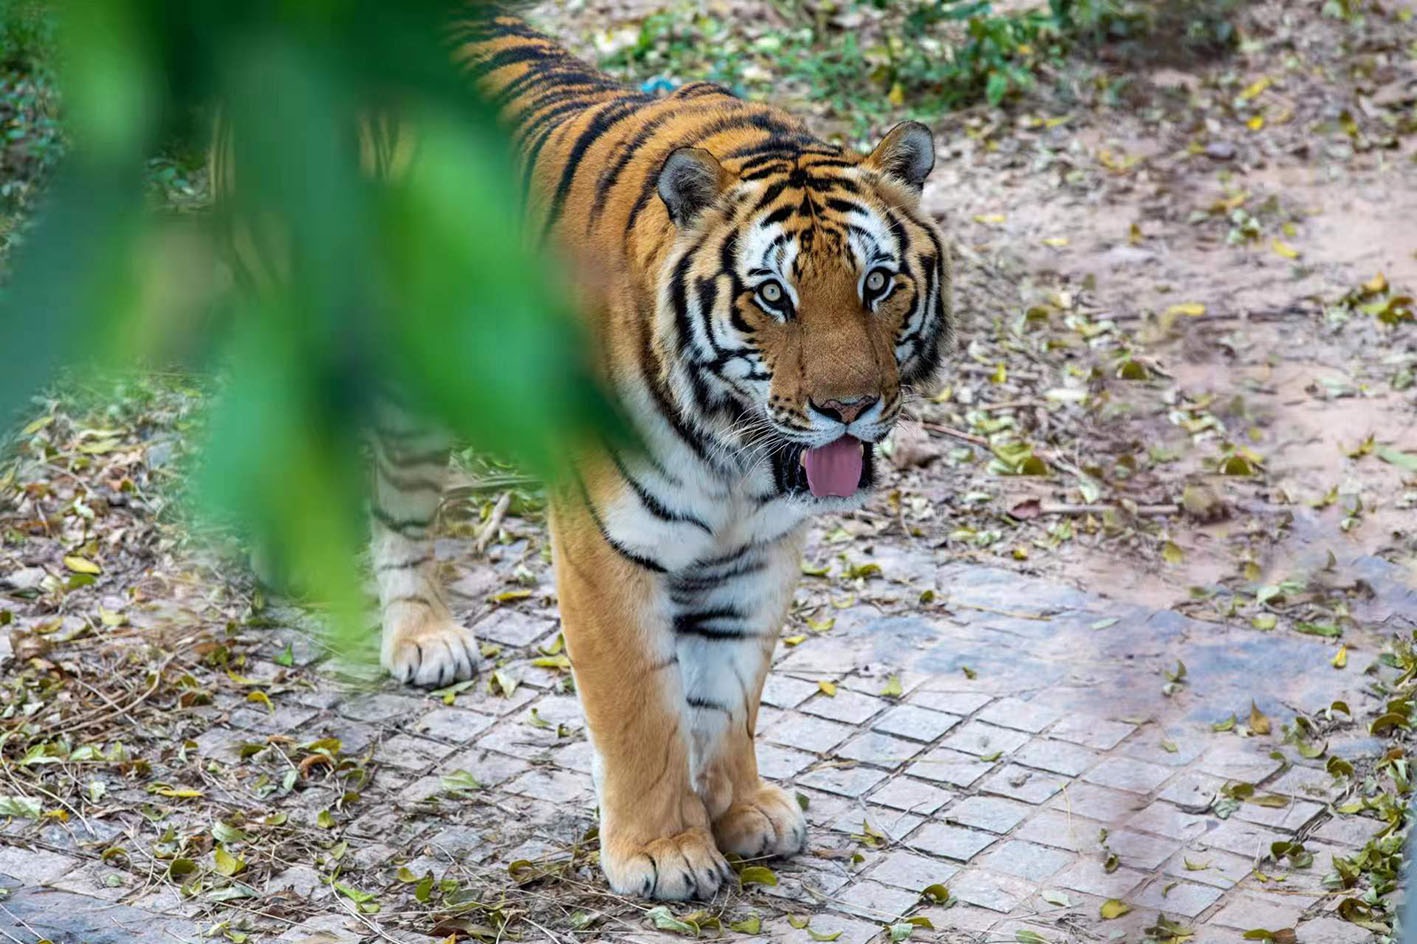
1187 304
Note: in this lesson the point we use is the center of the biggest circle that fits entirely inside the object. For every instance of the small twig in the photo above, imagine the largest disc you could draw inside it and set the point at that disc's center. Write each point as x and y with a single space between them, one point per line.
82 723
354 912
21 922
951 604
1007 405
953 433
494 521
1141 511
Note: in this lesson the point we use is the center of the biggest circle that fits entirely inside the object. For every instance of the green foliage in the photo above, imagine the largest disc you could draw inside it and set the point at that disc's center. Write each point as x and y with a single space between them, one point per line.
876 57
426 284
869 60
27 35
30 137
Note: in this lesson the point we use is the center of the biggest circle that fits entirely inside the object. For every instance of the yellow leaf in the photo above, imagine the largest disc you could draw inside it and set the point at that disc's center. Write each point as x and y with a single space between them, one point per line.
1134 235
1171 553
1340 659
757 875
261 698
1057 242
896 95
828 688
793 640
1255 123
1282 248
228 864
1259 722
81 565
892 688
992 219
1189 309
1254 89
37 425
1112 908
1376 285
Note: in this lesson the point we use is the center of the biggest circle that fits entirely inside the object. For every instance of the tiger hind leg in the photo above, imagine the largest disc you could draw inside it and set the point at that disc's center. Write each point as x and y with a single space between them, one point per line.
422 644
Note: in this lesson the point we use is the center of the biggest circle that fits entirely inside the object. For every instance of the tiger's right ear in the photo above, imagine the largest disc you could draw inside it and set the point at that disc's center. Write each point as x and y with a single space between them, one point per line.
690 180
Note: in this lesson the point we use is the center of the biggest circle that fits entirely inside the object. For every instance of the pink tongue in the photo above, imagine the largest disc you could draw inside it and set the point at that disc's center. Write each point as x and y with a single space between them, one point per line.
834 470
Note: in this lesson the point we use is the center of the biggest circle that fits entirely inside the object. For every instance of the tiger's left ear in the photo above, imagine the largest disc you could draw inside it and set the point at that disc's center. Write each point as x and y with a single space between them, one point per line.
907 152
690 180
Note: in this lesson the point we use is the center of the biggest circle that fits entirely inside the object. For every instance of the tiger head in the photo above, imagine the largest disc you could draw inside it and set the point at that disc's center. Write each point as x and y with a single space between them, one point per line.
803 294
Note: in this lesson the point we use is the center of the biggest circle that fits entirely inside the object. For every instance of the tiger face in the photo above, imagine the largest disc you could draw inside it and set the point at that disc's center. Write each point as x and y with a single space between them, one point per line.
804 294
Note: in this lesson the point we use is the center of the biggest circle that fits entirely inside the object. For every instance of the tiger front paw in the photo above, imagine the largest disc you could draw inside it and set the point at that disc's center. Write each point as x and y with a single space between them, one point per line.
765 823
430 652
675 868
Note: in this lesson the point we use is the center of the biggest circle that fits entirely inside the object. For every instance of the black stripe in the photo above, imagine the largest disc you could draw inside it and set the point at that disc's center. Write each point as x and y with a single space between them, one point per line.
699 623
662 400
409 564
408 460
523 113
708 704
762 121
844 206
600 124
400 525
701 90
630 149
526 52
408 483
652 504
780 215
637 559
412 598
686 585
546 133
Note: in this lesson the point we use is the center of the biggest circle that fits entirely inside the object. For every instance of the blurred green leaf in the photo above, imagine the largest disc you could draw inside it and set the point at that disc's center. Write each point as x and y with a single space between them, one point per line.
347 285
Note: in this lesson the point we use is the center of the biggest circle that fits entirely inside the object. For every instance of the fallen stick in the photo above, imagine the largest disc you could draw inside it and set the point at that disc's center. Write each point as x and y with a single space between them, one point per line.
953 433
1141 511
494 521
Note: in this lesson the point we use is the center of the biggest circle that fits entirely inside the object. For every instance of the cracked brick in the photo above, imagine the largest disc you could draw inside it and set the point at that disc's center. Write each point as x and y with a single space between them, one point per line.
905 793
916 723
992 813
953 842
882 750
1026 860
984 741
1125 773
910 870
817 735
1019 714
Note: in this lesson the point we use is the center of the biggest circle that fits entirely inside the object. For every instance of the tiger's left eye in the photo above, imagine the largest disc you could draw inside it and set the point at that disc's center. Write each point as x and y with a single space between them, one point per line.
876 286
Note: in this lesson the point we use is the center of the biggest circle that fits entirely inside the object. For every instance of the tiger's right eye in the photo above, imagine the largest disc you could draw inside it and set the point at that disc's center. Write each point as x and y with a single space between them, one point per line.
772 297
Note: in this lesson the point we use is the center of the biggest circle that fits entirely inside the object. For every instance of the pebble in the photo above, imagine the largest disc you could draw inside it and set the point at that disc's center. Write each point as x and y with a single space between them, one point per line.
1220 150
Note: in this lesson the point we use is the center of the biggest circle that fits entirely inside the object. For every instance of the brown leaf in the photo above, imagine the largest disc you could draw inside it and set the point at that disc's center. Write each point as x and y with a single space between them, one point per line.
1259 722
911 447
1026 510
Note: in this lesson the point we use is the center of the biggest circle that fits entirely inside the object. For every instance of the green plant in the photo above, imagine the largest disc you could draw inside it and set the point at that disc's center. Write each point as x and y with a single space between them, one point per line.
426 283
920 57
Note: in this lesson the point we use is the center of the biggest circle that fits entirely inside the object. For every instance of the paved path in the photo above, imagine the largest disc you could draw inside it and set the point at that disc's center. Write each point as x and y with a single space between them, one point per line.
1042 757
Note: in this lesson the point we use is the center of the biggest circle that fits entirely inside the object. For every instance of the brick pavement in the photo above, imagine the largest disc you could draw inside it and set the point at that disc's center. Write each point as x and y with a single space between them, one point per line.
1032 763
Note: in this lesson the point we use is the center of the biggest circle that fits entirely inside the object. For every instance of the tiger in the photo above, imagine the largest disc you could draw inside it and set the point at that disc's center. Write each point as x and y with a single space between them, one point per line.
758 301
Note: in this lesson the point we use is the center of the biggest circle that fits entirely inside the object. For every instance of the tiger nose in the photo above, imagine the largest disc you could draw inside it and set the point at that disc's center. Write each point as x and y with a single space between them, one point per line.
845 409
